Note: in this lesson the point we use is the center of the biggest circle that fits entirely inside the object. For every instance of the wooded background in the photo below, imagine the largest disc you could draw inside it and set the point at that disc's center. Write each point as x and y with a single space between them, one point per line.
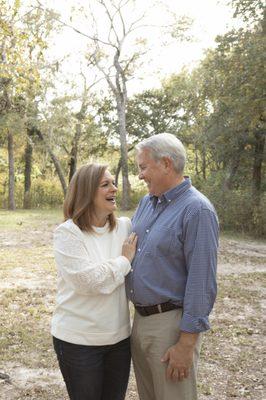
217 110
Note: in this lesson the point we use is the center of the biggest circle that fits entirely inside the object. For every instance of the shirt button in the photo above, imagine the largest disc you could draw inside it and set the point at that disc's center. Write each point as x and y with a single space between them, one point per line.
131 291
147 230
169 201
139 250
131 270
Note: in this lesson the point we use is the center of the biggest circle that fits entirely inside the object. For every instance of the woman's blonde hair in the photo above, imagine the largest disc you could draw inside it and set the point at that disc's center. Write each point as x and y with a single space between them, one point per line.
79 201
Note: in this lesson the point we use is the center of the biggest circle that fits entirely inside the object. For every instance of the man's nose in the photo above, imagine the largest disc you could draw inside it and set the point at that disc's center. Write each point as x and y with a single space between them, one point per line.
141 175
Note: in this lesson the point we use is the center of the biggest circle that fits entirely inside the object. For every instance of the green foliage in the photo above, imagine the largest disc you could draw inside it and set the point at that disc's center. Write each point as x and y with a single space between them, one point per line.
235 208
152 112
217 110
44 194
251 11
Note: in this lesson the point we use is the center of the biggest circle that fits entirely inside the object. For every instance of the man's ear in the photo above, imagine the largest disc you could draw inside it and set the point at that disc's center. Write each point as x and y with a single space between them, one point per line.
167 163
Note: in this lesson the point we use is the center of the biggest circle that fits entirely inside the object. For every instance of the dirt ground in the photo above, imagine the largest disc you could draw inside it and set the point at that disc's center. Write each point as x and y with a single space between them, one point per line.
232 358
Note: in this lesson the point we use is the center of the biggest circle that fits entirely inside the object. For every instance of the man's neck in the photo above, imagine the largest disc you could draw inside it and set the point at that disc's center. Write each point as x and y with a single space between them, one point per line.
172 183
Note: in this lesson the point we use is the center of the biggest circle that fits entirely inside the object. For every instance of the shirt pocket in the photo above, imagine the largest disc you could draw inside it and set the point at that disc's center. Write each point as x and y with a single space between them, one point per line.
162 241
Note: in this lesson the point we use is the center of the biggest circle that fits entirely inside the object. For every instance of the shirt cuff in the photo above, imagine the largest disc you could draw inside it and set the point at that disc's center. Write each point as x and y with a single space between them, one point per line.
194 324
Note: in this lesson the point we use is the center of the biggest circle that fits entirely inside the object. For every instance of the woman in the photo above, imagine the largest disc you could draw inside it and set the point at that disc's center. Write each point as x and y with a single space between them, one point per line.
93 252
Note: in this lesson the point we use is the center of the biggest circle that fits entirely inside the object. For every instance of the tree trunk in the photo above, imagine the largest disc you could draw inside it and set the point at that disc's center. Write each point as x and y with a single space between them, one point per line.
204 161
228 183
256 182
234 165
117 172
118 168
74 152
257 165
125 201
56 162
196 161
11 172
27 170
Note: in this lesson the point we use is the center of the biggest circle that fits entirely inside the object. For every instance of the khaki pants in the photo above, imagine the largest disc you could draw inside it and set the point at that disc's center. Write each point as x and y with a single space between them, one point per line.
151 337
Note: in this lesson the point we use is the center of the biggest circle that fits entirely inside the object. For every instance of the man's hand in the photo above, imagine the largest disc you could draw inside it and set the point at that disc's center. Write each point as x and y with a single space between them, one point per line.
180 357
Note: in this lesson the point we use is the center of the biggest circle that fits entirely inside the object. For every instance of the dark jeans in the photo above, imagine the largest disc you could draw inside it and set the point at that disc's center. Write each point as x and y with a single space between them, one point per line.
94 372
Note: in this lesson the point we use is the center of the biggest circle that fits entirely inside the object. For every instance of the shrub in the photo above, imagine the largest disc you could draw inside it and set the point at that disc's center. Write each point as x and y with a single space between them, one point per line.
44 194
236 210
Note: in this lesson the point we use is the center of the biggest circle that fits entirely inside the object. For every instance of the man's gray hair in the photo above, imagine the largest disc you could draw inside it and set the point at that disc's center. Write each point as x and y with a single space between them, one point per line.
165 145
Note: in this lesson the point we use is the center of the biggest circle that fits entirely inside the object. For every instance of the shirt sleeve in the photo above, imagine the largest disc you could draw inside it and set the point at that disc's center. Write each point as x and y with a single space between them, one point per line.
200 250
80 272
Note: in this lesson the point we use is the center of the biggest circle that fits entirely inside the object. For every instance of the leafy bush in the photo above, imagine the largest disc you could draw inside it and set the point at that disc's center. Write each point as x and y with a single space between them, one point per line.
44 194
236 209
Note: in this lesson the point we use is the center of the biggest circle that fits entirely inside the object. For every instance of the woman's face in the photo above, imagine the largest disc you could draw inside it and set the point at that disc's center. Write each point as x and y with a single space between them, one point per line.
104 201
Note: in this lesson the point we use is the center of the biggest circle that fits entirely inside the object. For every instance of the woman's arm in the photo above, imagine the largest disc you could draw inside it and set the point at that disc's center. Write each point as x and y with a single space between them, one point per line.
80 272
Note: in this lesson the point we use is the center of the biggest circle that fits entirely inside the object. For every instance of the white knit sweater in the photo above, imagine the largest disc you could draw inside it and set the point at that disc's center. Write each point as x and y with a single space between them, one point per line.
92 308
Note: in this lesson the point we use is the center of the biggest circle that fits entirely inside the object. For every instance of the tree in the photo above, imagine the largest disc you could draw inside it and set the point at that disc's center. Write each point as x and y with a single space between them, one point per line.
39 28
236 76
12 81
117 72
116 52
253 12
21 48
108 55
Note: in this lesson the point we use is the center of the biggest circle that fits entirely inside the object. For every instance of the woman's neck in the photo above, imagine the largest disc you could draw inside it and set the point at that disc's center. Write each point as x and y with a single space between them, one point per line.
99 220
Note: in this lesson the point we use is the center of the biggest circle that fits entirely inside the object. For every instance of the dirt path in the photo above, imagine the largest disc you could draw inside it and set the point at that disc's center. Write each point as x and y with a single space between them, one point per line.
232 358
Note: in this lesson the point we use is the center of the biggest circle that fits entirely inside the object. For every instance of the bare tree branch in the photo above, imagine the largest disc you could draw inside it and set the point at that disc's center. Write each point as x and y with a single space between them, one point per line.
93 38
111 19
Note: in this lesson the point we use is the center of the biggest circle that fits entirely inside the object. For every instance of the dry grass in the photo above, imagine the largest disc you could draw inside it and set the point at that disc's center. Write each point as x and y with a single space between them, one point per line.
232 355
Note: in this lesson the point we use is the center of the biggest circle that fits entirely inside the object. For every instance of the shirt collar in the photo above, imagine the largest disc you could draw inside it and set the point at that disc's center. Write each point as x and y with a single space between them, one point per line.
173 193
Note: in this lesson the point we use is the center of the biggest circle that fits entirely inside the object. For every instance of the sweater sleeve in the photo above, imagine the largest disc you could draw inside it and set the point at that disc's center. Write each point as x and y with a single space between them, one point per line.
80 272
127 223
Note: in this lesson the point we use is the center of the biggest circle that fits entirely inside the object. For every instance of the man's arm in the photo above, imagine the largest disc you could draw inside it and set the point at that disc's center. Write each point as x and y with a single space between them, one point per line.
200 249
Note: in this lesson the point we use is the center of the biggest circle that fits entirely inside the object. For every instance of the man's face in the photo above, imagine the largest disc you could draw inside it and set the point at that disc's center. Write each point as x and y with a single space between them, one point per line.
152 172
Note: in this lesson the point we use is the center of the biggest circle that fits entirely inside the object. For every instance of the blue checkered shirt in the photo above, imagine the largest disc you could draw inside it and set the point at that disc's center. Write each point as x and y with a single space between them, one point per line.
176 256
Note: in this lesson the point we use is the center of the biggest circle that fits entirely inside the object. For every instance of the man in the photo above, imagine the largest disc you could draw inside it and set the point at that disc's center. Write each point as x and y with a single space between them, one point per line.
172 282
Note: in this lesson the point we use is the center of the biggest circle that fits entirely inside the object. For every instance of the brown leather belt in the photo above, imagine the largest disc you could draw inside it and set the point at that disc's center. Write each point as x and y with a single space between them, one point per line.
145 311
